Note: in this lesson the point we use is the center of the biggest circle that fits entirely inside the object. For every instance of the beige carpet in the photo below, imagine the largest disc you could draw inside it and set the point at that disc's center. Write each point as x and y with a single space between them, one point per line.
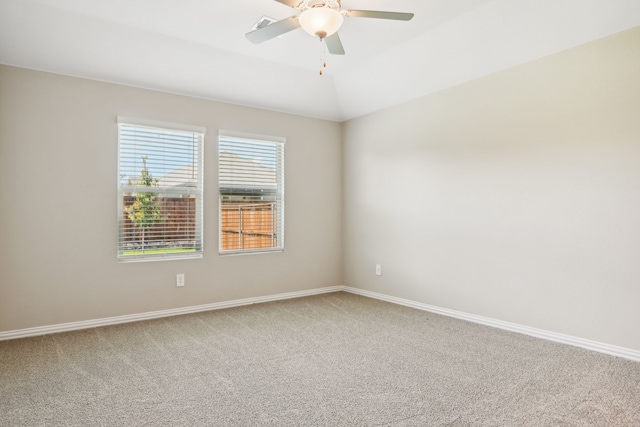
329 360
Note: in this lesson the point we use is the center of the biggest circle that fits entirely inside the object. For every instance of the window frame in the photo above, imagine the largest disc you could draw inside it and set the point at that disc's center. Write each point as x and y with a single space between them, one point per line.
197 191
280 143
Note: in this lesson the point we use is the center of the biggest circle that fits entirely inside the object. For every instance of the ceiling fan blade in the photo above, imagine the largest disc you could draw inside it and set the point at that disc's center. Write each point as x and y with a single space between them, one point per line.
290 3
274 30
397 16
334 45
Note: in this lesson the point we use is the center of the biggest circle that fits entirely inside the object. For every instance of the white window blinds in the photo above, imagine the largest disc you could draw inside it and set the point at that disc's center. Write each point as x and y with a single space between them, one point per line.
251 190
159 190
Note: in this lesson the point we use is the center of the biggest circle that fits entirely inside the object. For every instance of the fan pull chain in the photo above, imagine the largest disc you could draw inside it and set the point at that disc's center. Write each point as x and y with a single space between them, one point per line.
322 55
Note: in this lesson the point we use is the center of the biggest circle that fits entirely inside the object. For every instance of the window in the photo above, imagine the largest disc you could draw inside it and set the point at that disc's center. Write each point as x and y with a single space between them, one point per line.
251 189
159 190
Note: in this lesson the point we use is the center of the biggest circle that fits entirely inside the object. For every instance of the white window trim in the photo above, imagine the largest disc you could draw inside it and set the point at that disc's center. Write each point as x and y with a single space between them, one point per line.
222 133
161 125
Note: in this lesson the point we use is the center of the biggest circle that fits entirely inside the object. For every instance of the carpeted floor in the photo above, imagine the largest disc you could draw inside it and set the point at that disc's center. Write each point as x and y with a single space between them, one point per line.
328 360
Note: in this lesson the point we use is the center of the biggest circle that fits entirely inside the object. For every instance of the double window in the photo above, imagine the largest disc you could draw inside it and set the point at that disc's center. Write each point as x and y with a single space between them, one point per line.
159 190
251 191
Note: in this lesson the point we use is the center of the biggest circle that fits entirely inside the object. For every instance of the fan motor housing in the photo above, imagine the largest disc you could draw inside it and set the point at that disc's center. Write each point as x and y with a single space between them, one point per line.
310 4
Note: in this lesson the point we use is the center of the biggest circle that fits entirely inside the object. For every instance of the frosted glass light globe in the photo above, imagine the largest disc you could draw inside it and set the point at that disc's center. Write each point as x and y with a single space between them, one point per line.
320 21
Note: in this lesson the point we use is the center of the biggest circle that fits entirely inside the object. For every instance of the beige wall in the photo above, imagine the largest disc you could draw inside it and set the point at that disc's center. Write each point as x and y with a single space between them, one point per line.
58 176
515 196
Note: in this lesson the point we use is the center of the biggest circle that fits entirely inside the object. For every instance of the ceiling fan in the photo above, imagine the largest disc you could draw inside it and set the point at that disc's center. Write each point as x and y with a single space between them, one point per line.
319 18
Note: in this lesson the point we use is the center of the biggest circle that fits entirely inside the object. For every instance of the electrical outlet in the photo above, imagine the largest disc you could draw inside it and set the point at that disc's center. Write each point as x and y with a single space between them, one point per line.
378 270
180 280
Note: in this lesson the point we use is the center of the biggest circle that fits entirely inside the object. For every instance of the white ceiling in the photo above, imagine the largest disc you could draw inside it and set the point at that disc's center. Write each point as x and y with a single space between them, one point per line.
198 47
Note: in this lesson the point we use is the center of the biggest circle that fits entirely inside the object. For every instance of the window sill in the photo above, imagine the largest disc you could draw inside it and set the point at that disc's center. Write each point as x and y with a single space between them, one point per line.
250 252
153 258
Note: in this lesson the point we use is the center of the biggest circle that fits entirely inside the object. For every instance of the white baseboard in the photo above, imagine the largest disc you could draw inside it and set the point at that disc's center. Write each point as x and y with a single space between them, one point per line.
612 350
513 327
65 327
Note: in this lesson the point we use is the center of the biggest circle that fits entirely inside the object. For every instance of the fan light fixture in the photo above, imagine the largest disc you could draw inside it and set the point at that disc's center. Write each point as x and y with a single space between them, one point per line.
320 21
318 18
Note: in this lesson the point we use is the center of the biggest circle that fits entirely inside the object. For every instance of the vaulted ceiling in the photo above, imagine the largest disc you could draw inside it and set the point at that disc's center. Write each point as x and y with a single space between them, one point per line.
199 48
